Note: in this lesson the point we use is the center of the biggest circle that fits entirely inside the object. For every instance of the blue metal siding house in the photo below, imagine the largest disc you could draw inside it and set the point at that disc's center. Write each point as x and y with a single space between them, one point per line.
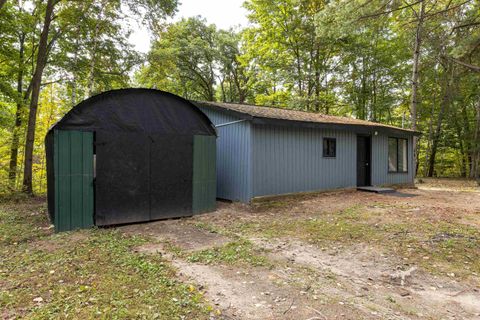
264 151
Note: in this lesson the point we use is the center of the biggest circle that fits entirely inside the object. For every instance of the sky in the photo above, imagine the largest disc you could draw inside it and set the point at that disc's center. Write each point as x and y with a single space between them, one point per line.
223 13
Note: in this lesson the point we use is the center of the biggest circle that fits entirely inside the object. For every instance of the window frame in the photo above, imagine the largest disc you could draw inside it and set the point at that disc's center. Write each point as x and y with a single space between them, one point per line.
325 155
407 167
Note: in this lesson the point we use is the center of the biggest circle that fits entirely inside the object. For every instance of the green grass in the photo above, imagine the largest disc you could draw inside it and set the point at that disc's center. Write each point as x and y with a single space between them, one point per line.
241 252
345 226
86 274
22 220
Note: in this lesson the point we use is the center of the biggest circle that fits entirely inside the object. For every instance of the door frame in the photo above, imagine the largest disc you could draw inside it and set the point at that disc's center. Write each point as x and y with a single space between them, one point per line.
369 153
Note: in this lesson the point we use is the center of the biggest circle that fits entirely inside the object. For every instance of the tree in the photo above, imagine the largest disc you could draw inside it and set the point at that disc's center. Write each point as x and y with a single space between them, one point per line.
184 60
41 61
68 30
235 83
292 56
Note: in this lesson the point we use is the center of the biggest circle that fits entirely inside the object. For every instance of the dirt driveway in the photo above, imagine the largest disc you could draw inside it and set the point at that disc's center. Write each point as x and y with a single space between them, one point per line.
414 254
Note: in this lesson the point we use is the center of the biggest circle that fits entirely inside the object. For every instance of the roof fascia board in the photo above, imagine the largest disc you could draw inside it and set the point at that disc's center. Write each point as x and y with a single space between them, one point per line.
357 128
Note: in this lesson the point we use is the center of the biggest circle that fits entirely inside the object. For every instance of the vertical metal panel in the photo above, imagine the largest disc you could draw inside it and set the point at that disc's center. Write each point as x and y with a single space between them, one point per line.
380 174
288 160
234 157
268 160
204 174
87 180
76 178
73 166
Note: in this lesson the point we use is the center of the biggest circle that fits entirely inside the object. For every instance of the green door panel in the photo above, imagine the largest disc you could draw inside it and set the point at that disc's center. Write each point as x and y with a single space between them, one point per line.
73 167
204 174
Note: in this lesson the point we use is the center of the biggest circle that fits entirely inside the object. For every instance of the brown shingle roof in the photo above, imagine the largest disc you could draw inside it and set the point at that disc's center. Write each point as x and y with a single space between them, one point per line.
295 115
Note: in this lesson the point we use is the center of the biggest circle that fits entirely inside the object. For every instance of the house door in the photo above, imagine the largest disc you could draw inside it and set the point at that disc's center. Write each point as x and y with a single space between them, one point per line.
364 147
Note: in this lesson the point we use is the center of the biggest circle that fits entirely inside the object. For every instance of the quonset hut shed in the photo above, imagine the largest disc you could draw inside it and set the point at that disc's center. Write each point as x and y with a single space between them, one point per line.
130 155
264 151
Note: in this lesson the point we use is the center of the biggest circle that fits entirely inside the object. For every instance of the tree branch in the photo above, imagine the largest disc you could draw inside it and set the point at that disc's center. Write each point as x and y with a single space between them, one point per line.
390 11
466 25
465 64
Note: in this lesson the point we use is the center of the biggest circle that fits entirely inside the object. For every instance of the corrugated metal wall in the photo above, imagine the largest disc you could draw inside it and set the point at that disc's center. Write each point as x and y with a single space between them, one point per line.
73 171
259 160
380 174
234 154
287 160
204 193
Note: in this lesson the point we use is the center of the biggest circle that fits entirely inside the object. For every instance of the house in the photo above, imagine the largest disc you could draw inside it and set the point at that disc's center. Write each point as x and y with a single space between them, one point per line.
264 151
128 156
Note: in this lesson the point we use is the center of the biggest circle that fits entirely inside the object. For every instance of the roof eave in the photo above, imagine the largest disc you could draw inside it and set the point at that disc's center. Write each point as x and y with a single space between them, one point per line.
358 128
238 114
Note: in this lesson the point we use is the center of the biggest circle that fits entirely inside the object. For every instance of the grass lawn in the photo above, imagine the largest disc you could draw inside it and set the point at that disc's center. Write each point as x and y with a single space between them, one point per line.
85 274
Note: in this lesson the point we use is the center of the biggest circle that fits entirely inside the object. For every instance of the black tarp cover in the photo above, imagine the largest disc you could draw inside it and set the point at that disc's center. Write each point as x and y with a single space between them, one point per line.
144 155
137 110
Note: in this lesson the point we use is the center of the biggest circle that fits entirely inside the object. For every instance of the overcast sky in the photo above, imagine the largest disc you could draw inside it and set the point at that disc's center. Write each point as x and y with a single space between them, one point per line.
223 13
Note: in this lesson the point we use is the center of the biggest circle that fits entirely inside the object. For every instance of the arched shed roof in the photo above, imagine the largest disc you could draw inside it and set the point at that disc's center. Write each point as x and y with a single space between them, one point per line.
137 110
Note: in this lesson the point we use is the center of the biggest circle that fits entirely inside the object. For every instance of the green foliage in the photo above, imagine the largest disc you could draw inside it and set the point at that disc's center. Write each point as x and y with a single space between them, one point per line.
182 60
340 57
87 52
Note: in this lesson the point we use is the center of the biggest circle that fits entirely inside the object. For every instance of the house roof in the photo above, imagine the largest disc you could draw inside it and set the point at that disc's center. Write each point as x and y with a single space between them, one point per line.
269 115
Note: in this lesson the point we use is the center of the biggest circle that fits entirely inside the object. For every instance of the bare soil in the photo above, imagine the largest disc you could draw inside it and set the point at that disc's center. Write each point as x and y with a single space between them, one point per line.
338 278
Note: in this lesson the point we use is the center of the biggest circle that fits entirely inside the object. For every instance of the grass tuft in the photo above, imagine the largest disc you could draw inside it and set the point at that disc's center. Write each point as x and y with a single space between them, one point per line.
237 252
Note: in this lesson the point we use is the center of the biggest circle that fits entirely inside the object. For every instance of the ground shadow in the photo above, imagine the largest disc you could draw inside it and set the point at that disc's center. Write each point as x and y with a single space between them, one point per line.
400 194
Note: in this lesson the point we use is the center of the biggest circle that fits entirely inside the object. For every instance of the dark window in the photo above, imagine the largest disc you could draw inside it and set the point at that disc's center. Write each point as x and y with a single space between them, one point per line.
329 147
397 155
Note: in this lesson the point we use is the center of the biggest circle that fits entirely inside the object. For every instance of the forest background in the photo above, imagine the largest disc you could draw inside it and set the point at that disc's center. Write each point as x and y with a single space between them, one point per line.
413 64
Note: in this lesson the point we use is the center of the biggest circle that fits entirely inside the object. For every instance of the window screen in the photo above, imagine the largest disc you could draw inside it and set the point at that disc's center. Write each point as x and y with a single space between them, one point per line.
402 155
392 154
329 147
397 155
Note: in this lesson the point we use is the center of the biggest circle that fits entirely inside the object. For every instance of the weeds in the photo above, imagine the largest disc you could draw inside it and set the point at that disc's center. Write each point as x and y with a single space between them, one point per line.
237 252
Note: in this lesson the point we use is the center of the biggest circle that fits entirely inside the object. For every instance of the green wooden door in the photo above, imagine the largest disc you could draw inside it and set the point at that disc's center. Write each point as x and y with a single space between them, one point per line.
204 174
73 166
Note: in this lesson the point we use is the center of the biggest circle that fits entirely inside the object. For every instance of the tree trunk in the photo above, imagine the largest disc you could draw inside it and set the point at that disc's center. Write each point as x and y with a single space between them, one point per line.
462 148
467 133
443 108
36 82
476 145
415 79
91 77
222 87
363 93
12 172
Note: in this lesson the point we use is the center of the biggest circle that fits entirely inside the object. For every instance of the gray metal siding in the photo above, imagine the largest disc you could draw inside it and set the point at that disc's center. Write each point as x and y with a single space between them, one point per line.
380 174
259 160
288 160
234 157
